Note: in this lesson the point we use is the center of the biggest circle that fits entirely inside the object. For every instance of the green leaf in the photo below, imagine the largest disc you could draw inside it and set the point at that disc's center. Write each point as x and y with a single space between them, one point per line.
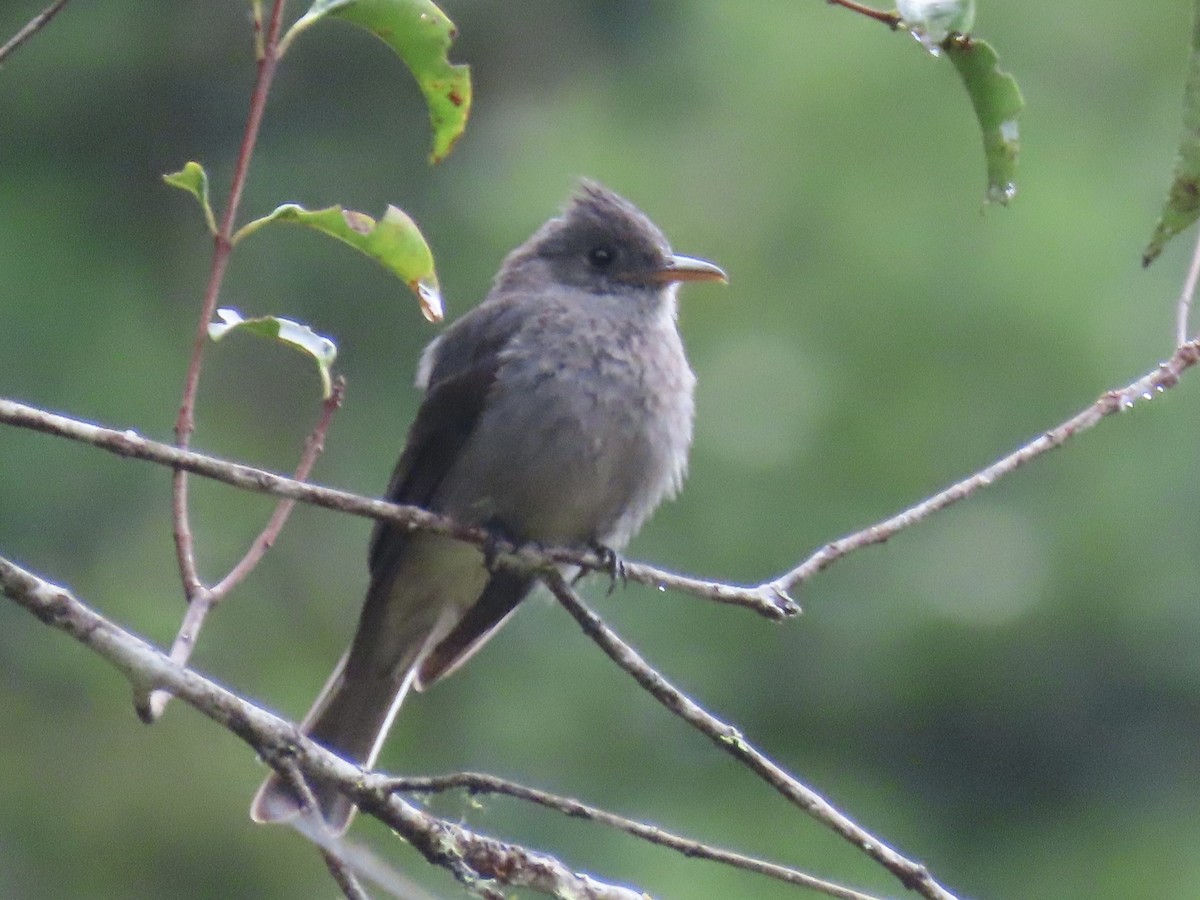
193 179
394 242
997 101
320 349
1182 206
420 34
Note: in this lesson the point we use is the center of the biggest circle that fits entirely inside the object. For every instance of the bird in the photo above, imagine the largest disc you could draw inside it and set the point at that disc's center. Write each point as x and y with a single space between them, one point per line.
559 411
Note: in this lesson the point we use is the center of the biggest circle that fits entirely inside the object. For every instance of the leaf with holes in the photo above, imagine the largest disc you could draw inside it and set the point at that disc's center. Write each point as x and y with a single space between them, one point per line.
997 101
394 242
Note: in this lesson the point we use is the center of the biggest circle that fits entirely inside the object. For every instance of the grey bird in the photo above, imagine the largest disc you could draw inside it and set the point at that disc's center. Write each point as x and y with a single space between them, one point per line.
558 411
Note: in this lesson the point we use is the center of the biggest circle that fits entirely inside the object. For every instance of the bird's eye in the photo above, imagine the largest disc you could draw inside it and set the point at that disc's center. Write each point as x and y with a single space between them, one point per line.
601 257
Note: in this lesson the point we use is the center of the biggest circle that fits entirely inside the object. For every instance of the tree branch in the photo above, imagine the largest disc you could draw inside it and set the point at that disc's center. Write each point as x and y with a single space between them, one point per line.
769 599
912 875
32 27
1162 378
476 860
477 783
765 600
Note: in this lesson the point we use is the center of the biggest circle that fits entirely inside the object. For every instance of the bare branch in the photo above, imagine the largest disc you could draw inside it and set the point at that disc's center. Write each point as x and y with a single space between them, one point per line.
478 783
1184 309
151 708
32 27
912 875
1165 376
476 860
765 600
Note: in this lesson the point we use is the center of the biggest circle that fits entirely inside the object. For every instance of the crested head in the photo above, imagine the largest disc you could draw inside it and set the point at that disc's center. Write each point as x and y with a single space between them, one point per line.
601 243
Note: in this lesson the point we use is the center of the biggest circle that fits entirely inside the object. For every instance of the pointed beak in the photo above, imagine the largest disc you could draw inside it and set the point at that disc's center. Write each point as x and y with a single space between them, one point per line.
686 268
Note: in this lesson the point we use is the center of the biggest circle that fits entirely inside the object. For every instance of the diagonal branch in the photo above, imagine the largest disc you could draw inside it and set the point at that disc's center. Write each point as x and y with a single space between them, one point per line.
912 875
30 28
477 783
1150 385
475 859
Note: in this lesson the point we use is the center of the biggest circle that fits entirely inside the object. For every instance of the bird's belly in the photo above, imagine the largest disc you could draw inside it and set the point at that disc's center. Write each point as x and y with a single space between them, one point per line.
571 462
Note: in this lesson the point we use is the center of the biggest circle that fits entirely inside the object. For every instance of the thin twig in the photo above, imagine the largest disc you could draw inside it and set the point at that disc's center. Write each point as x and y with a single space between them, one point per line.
478 783
32 27
1184 310
475 859
892 20
151 708
912 875
1165 376
185 424
346 881
314 446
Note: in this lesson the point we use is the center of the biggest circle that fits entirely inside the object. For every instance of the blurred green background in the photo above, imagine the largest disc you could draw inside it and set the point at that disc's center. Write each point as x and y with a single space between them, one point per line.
1010 692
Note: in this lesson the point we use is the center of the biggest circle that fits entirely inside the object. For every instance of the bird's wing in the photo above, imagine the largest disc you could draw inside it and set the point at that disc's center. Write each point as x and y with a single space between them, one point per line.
460 378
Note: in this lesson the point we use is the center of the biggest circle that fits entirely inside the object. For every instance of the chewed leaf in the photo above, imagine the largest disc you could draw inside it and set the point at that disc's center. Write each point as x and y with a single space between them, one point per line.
997 101
394 242
420 34
320 349
193 179
1182 206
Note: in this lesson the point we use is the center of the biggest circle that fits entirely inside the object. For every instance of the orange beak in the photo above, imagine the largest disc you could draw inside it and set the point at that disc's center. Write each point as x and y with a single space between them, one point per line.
686 268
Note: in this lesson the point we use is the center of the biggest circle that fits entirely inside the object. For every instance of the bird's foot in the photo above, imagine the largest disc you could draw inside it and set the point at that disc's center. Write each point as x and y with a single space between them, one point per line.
498 542
611 564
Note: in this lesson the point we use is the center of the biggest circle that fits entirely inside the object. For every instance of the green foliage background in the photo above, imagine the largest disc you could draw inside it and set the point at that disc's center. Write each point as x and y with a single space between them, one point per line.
1010 692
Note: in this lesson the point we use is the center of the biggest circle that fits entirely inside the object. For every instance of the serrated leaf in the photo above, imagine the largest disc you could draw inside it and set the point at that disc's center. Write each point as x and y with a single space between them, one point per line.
997 101
317 347
193 179
1182 206
420 34
394 242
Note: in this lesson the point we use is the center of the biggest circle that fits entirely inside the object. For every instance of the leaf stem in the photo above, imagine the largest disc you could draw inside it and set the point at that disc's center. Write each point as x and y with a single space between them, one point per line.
892 20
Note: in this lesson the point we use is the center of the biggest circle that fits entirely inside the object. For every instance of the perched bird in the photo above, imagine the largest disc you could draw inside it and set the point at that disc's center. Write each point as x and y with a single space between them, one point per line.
558 411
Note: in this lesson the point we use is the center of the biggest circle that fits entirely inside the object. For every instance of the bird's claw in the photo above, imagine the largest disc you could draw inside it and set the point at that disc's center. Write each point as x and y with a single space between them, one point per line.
613 565
495 545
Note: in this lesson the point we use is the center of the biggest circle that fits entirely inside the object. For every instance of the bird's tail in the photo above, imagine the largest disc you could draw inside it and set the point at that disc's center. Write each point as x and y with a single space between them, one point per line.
351 717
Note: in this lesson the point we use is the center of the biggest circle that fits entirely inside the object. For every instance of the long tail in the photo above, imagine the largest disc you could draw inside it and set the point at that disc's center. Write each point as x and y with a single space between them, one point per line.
351 717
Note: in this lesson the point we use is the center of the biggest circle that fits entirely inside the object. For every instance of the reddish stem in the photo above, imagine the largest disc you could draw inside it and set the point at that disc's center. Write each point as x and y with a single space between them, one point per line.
185 424
314 446
892 20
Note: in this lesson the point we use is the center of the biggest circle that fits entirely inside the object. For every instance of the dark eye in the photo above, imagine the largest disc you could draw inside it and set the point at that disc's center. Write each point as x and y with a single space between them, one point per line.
601 257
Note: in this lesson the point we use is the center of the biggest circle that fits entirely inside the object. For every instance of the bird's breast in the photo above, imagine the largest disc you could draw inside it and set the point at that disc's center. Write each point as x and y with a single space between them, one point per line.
582 438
